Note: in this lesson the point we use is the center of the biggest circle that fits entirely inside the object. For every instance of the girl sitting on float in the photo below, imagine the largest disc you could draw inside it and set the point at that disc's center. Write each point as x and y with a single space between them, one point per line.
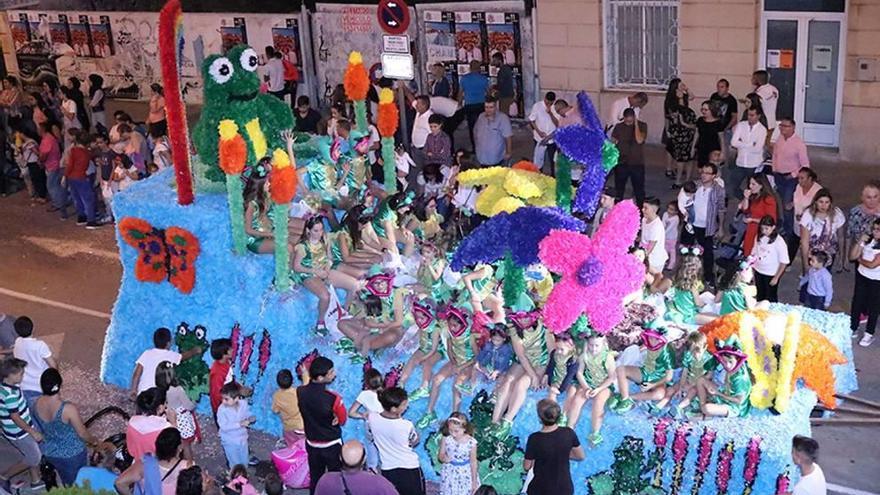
350 249
730 399
430 273
378 321
696 364
257 224
385 221
461 350
425 221
683 304
595 375
652 376
531 344
313 268
736 292
429 351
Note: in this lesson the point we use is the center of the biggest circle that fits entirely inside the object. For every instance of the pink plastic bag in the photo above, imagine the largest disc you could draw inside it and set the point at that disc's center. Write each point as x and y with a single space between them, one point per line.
292 464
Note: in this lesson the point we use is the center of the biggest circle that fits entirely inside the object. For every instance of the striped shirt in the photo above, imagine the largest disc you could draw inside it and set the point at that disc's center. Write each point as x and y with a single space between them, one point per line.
11 402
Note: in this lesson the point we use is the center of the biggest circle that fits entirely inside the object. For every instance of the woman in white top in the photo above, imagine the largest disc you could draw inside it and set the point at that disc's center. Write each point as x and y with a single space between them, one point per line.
821 227
771 257
803 194
866 294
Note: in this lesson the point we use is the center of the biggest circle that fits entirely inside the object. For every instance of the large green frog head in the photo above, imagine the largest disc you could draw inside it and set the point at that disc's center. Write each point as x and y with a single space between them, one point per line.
187 338
231 79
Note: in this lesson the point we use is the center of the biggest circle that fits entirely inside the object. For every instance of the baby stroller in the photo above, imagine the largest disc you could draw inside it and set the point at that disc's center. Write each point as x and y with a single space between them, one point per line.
123 458
730 252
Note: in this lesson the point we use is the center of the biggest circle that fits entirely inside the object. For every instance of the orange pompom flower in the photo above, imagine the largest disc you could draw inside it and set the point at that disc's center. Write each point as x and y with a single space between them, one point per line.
356 80
388 116
232 149
526 165
282 179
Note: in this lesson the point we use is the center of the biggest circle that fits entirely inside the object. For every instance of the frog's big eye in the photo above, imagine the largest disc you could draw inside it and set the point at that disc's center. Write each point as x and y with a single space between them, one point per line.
249 60
221 70
200 332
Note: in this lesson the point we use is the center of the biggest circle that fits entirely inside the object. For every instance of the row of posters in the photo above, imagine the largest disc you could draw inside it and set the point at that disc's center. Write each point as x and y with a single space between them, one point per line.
123 46
454 39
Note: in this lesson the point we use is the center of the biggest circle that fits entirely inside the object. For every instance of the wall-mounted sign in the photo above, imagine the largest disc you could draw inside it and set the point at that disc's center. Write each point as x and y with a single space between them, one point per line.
822 58
395 43
393 16
398 66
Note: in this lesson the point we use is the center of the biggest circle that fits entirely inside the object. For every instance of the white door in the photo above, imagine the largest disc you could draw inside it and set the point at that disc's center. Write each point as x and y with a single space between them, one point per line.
803 52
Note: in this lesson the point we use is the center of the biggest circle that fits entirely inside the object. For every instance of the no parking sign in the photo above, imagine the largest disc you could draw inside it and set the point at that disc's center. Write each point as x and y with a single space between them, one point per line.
393 16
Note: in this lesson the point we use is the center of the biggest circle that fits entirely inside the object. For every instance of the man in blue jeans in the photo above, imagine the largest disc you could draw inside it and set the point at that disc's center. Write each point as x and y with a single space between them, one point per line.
472 93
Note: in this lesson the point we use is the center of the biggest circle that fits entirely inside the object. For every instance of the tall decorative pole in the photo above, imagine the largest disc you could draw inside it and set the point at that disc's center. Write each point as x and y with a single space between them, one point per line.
356 82
386 122
171 57
233 157
282 188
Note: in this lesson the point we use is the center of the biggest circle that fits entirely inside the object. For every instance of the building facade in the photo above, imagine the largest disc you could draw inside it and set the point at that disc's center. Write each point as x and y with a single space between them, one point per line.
823 55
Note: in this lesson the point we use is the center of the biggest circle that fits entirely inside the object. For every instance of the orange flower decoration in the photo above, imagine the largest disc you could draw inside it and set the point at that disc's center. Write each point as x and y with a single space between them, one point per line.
526 165
232 149
815 356
283 179
356 80
388 116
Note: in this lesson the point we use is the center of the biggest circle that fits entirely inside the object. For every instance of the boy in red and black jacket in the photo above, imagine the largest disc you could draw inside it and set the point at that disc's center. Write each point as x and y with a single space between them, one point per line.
221 372
76 173
323 416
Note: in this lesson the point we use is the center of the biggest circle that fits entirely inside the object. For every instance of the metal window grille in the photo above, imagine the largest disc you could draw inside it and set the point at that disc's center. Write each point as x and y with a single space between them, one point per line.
641 43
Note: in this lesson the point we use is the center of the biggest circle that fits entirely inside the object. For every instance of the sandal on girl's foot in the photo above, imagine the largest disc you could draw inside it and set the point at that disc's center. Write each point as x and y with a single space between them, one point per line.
321 329
465 388
38 487
419 394
426 420
503 430
595 438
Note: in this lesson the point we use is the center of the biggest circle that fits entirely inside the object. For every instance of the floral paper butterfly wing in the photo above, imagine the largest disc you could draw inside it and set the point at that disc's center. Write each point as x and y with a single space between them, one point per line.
150 245
183 249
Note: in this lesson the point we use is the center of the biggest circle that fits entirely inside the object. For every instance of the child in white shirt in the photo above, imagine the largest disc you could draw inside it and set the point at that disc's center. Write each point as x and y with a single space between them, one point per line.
672 226
35 353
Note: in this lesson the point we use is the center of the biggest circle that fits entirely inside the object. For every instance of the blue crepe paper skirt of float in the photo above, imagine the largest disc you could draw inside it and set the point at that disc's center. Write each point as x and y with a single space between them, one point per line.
232 290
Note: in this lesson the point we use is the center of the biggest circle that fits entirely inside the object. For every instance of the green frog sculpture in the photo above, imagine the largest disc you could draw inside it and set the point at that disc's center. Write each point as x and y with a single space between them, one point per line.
192 374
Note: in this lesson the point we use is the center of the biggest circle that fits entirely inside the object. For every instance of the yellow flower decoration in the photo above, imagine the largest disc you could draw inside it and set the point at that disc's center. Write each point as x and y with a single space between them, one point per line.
788 360
761 359
508 189
258 139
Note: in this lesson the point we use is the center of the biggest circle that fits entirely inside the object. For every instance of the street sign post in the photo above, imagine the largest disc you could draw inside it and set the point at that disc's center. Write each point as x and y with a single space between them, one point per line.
395 43
393 16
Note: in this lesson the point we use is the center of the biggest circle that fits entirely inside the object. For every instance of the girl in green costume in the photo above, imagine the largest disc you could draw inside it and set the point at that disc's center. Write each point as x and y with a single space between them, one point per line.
731 399
461 350
312 267
258 211
695 364
481 288
429 351
430 273
653 375
531 344
596 374
735 292
385 221
682 306
349 250
379 320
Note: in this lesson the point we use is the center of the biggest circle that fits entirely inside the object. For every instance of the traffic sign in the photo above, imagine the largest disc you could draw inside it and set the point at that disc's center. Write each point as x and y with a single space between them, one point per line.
392 43
393 16
398 66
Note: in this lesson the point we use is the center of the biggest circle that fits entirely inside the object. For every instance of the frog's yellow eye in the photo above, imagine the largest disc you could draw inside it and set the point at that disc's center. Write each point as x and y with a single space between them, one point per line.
249 60
221 70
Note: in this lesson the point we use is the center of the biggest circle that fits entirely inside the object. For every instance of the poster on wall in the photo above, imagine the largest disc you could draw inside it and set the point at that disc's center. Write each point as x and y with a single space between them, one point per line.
79 37
101 38
286 40
234 33
32 50
470 38
18 27
59 31
503 34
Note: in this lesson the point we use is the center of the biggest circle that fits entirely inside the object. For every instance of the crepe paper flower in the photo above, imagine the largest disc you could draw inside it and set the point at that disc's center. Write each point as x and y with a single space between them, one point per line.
661 433
507 189
597 273
782 483
788 361
679 454
704 457
563 179
589 191
723 467
235 336
752 463
171 42
356 82
815 354
232 160
610 155
583 142
282 188
518 233
265 351
761 358
247 350
386 122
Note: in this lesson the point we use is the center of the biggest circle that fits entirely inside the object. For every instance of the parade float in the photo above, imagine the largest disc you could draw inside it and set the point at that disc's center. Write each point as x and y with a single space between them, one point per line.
184 268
